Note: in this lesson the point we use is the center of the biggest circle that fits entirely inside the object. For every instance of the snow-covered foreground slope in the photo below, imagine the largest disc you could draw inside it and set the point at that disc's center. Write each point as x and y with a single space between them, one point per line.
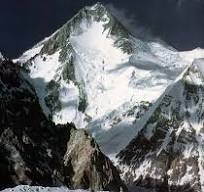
93 68
167 154
26 188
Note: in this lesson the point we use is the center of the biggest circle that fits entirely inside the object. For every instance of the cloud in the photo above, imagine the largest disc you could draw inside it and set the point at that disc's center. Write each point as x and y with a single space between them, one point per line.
180 3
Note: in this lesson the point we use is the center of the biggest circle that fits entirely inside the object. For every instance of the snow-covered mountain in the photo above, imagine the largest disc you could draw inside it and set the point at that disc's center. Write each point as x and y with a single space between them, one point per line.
167 154
92 70
142 101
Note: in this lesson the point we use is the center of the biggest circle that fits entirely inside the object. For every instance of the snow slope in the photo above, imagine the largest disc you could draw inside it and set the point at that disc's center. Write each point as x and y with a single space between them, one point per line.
26 188
92 67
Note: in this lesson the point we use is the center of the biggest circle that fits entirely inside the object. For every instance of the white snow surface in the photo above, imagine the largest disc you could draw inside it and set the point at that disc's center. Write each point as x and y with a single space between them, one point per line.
191 55
95 62
111 78
29 54
26 188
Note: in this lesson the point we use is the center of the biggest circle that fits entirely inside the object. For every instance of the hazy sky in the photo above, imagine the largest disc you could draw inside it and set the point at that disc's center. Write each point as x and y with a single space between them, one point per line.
25 22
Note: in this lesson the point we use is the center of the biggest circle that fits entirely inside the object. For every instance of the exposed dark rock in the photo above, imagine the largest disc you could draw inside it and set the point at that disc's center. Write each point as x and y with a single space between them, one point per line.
34 151
94 170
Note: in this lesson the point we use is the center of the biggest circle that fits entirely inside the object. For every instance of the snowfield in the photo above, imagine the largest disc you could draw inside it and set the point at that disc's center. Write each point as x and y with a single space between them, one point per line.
25 188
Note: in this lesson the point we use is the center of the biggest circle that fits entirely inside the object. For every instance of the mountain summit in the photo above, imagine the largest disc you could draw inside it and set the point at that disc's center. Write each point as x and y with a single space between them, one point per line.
94 73
83 39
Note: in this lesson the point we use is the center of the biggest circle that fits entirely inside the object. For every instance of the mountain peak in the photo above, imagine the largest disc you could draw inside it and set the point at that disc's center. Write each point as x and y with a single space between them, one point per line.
83 21
98 5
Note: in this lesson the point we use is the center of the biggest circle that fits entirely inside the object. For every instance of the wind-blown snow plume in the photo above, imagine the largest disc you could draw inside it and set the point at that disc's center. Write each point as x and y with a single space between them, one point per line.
130 22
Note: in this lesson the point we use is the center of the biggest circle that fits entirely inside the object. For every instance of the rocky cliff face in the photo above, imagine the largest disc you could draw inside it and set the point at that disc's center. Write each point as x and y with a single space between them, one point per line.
167 154
90 167
29 146
35 151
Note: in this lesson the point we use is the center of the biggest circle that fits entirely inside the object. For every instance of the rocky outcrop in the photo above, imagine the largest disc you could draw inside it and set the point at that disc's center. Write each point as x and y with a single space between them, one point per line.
94 170
35 151
30 150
